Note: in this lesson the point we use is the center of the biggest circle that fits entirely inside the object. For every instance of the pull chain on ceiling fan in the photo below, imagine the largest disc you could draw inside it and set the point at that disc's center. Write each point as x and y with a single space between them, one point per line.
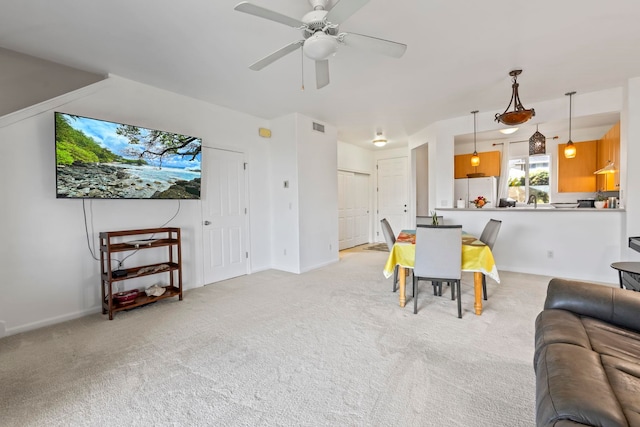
320 29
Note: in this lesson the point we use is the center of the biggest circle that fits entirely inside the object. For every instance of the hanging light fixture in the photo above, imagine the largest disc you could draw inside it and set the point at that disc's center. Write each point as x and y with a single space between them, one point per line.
537 143
570 148
508 131
609 168
475 159
379 140
519 114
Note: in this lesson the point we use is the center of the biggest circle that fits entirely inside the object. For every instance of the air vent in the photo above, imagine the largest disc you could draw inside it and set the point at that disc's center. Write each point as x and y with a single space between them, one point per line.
318 127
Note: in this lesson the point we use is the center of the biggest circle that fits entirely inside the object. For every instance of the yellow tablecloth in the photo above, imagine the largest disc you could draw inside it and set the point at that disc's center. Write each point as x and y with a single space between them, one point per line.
476 256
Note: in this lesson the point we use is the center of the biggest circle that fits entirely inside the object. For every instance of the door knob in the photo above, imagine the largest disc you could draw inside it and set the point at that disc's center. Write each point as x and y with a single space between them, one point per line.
207 223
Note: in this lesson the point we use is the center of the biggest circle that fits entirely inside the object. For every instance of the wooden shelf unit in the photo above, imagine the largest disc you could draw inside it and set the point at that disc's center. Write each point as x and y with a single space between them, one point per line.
112 242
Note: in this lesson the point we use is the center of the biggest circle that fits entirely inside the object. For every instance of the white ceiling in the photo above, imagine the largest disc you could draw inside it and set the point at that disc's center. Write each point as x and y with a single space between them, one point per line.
458 58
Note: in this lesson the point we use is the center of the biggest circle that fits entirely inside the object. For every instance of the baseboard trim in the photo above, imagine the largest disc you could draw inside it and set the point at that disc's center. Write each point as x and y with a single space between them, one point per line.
50 321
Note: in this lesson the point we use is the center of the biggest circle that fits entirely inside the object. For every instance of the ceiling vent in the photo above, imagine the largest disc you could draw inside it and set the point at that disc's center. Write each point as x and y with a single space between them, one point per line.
318 127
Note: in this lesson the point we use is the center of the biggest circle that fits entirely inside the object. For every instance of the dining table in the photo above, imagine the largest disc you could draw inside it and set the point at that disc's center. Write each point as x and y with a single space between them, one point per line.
476 258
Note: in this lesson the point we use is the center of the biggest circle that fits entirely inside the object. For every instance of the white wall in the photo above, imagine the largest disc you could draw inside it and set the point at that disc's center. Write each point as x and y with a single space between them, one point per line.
304 215
318 194
283 152
48 272
630 176
421 167
352 158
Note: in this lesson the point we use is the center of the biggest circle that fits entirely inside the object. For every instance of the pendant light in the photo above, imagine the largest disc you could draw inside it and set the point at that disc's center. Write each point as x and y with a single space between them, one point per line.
475 159
519 114
570 148
537 143
609 168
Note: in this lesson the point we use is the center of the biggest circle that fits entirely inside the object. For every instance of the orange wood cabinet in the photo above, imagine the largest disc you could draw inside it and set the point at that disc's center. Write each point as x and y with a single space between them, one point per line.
489 164
609 150
576 175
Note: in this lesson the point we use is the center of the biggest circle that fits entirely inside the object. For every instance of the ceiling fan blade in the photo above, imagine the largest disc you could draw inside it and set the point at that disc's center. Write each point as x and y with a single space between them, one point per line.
259 65
374 44
342 10
261 12
322 73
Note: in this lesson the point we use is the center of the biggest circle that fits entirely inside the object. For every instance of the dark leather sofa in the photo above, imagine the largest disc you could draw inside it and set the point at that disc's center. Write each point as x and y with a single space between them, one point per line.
587 356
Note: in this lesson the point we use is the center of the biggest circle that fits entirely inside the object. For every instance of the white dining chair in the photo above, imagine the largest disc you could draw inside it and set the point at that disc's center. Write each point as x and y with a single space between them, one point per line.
488 237
438 259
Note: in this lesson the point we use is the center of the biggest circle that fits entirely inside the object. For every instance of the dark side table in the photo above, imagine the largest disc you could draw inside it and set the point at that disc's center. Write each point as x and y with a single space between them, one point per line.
629 274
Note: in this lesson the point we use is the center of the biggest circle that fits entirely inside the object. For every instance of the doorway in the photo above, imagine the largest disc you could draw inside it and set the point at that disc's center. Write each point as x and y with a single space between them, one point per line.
392 194
224 212
353 209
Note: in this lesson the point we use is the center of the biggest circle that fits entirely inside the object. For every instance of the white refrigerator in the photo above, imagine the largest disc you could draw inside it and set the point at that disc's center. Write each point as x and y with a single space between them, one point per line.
467 189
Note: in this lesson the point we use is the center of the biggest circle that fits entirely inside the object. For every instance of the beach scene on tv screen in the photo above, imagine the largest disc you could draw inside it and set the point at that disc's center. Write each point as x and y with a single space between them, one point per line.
107 160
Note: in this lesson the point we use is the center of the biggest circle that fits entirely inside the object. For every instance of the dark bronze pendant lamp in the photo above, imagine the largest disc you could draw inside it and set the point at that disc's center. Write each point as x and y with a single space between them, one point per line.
519 114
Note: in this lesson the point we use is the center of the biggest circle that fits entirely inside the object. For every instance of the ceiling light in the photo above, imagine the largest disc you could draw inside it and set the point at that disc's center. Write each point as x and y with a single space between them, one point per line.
519 114
379 141
537 143
320 46
570 148
508 131
475 159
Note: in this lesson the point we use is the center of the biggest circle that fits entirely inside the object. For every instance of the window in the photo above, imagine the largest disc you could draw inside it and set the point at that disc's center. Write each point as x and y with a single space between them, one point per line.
529 176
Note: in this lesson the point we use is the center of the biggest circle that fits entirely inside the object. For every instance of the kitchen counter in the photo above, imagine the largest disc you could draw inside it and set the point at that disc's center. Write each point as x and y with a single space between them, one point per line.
579 243
532 209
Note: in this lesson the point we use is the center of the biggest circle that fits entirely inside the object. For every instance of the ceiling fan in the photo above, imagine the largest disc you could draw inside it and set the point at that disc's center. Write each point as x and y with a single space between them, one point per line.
321 35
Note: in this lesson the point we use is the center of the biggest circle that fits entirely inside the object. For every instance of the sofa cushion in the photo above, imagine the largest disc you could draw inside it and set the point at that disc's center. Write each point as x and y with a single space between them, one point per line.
624 377
559 326
571 384
613 340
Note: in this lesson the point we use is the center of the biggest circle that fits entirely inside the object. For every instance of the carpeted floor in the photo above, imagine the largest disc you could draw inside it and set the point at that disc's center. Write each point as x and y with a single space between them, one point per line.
325 348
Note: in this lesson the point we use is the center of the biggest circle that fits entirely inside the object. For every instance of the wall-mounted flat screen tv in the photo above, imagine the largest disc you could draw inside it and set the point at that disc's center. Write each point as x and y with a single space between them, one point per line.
97 159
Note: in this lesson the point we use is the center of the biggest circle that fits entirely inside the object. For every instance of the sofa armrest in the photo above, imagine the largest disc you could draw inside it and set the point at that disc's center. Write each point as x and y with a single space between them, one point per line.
617 306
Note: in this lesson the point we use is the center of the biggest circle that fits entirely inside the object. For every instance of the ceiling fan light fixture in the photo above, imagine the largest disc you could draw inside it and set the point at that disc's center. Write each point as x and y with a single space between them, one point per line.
379 140
320 46
519 114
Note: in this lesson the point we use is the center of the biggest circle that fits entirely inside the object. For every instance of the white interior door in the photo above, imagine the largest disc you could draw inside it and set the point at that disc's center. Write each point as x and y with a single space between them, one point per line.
361 212
392 194
224 215
353 209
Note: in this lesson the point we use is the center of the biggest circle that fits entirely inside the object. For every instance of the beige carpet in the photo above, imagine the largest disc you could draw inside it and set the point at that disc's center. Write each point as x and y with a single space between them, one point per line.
326 348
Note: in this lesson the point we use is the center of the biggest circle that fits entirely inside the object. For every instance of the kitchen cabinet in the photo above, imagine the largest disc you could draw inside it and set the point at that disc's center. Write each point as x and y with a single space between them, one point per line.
489 164
609 150
576 175
469 188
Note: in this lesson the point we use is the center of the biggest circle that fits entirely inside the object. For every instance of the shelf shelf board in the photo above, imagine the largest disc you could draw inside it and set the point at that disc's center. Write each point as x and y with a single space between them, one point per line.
143 299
